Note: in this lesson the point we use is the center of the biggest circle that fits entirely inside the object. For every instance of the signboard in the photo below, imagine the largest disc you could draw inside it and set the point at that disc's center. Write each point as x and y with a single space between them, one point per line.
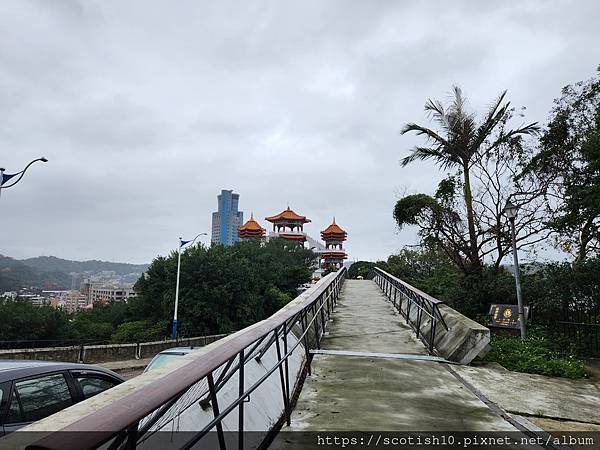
507 316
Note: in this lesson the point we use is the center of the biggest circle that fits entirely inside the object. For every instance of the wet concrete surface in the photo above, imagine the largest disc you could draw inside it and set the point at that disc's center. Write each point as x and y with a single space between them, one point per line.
347 393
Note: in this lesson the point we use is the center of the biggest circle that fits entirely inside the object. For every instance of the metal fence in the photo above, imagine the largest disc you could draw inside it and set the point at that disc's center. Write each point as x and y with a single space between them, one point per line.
585 335
414 305
127 421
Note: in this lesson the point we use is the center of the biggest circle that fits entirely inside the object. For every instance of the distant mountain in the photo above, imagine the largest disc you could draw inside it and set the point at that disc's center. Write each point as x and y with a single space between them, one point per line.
15 275
52 263
48 271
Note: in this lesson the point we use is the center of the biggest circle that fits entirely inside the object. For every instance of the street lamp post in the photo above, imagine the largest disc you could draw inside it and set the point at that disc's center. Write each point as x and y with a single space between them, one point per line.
181 244
4 178
511 211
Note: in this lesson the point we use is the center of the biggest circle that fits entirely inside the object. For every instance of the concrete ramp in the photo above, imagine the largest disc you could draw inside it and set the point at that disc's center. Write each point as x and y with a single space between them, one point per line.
349 393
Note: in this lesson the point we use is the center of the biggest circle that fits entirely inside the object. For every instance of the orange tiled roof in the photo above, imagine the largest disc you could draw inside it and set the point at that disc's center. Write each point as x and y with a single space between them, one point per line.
251 225
333 229
288 214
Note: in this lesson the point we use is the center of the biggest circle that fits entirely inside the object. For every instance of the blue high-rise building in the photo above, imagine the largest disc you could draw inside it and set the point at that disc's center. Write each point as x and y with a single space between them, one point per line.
227 219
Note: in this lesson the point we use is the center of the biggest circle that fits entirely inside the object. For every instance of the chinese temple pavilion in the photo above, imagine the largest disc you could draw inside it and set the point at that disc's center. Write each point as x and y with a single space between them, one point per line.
334 254
289 225
251 230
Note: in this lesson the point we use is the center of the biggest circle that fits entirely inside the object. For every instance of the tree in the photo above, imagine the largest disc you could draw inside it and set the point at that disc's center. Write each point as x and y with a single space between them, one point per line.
459 142
23 321
567 163
360 268
222 289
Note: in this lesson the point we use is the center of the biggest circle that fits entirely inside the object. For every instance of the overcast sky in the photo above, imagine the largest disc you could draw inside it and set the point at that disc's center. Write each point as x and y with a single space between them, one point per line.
147 109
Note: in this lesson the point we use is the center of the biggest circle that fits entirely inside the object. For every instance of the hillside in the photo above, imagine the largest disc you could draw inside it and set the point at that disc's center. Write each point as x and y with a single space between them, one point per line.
52 263
44 271
14 275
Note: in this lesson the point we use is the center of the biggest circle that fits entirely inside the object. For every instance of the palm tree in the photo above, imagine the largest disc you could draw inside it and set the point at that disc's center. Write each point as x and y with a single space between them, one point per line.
461 140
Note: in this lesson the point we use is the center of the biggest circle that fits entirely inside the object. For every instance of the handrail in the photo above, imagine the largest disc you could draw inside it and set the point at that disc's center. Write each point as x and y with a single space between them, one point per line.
415 298
122 418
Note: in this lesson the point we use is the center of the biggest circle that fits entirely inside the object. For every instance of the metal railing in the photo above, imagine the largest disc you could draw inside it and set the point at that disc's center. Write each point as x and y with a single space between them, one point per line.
414 305
130 419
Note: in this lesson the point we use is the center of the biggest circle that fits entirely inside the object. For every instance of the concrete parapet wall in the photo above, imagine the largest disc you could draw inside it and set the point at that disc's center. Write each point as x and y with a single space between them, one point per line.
105 353
464 340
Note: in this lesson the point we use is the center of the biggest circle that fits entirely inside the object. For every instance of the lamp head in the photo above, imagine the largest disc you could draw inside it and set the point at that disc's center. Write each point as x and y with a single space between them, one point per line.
44 159
510 210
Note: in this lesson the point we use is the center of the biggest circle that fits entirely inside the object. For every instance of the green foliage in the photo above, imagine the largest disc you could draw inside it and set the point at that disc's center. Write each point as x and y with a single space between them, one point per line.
540 353
457 141
223 289
23 321
360 268
141 331
410 209
433 272
100 322
568 161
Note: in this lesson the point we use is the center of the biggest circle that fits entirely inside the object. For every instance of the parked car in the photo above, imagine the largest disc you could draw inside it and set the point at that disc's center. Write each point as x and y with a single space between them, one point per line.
167 356
32 390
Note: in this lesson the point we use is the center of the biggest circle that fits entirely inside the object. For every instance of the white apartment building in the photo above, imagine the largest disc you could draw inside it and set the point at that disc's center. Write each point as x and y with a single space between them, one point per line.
106 294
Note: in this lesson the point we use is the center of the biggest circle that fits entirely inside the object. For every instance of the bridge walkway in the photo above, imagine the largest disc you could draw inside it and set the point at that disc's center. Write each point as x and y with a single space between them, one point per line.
350 393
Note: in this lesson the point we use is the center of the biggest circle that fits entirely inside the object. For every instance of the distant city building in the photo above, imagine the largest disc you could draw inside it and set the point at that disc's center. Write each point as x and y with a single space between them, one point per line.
227 220
334 254
71 302
106 294
288 225
251 230
34 299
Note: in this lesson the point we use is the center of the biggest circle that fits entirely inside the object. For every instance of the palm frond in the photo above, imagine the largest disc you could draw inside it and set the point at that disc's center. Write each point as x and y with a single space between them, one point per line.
420 130
496 113
528 130
441 157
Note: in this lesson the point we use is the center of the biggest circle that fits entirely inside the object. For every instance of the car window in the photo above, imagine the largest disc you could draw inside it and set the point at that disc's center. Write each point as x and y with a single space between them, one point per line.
14 411
92 385
36 398
162 359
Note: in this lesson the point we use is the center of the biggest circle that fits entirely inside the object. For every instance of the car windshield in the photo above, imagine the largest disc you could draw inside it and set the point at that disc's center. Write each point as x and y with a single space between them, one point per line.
162 359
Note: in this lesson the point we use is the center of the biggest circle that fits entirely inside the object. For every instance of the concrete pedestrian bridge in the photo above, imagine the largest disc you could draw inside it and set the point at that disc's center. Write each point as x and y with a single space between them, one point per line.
344 356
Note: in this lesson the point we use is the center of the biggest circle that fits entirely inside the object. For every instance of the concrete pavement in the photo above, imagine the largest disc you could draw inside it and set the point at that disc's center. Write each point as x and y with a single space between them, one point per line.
348 393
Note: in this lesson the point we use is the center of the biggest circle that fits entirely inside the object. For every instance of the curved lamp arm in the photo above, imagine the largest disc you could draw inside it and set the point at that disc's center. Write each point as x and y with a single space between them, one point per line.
21 173
182 243
194 240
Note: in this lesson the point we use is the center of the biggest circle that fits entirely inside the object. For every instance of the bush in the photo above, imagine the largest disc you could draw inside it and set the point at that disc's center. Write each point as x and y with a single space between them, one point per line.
540 354
141 331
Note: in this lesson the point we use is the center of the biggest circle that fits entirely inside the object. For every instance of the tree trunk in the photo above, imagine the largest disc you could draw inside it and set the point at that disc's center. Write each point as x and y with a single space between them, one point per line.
584 240
474 252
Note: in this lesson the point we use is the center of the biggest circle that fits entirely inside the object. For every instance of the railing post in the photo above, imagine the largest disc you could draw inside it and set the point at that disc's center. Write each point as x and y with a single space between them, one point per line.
316 322
131 442
286 405
322 317
306 338
241 407
215 407
287 373
419 315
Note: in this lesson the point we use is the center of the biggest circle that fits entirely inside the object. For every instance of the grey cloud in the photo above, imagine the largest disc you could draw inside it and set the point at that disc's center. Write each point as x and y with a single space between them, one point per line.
147 109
